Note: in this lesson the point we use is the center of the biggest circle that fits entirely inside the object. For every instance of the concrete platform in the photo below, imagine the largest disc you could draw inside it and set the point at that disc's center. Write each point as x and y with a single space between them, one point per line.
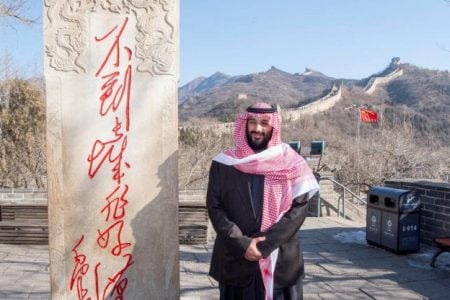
339 265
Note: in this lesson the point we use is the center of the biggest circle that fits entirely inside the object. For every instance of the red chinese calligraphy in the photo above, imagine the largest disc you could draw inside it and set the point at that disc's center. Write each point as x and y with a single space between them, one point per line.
80 269
107 151
116 203
115 96
108 86
104 238
116 283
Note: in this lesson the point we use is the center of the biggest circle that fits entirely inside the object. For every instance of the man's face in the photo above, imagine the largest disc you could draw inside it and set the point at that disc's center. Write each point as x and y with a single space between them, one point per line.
259 132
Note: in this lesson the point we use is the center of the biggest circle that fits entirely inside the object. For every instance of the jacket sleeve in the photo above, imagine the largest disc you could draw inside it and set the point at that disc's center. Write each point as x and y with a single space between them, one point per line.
227 230
280 232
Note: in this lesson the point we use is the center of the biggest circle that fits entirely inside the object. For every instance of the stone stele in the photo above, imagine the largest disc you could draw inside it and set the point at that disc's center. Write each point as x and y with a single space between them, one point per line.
111 71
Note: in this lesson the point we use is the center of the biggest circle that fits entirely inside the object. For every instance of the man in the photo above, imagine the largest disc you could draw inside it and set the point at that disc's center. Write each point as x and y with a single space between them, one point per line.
257 200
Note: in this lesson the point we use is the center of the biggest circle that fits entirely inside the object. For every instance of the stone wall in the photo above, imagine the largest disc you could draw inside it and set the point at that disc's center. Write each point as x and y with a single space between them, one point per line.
319 105
435 206
375 81
292 114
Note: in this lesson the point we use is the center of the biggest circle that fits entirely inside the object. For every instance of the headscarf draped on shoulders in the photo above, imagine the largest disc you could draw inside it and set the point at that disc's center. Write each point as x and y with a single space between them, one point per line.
286 175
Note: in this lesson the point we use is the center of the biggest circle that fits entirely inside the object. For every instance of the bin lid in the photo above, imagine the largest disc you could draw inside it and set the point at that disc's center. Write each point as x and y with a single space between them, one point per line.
386 191
394 199
409 201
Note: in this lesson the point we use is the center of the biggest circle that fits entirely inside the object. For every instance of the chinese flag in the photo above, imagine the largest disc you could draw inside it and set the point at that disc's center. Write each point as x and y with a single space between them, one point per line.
368 116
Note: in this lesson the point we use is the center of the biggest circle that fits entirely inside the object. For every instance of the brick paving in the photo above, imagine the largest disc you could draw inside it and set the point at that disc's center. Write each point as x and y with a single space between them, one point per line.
338 262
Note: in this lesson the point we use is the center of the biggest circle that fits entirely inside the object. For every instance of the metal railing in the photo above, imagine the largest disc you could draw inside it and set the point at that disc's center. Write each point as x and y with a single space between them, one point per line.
341 200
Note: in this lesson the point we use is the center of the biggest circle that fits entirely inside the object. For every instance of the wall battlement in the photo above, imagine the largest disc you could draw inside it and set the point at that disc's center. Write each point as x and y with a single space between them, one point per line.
319 105
380 80
394 70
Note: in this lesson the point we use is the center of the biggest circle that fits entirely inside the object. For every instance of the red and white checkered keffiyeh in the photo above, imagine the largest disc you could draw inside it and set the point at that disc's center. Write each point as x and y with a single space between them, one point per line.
286 176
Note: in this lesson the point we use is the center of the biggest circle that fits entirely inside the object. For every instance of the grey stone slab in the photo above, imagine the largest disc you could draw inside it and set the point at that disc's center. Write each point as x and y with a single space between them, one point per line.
385 263
19 266
430 288
203 257
312 241
7 294
193 248
391 292
194 267
416 274
343 268
209 247
445 282
197 286
314 248
207 297
344 246
318 239
312 285
187 256
9 276
13 249
351 295
373 252
195 280
345 284
338 255
213 281
423 258
311 296
39 295
315 269
310 257
353 277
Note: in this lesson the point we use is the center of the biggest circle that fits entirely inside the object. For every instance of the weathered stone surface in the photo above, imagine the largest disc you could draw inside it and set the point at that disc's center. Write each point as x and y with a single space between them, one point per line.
111 70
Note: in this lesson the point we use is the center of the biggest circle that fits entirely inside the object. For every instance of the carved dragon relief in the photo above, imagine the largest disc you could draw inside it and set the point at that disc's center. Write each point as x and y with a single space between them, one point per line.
68 21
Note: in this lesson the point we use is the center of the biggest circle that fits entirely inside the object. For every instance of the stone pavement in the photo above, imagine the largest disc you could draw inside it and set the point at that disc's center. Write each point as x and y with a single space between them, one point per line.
339 265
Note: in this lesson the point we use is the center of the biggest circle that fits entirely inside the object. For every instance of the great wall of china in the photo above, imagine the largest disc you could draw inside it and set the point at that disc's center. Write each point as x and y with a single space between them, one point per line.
394 71
319 105
324 103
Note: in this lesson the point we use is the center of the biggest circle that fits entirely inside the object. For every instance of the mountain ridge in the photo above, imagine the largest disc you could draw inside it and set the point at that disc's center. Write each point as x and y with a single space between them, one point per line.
423 93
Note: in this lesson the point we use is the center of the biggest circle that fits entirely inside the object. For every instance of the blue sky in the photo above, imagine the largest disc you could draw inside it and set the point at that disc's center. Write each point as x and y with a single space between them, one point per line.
344 39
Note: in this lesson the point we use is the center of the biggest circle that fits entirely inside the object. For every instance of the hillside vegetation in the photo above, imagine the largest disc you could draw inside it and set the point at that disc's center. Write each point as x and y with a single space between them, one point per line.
410 140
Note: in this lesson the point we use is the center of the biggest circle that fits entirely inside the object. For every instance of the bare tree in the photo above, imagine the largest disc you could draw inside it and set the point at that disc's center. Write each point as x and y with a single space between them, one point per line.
198 144
22 135
15 10
7 68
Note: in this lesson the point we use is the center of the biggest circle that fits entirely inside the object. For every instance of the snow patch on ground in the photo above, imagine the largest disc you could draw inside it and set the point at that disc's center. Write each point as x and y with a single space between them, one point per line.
419 260
422 260
354 237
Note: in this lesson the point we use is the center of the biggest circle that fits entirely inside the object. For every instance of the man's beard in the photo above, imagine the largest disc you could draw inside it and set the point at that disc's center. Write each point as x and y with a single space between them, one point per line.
258 145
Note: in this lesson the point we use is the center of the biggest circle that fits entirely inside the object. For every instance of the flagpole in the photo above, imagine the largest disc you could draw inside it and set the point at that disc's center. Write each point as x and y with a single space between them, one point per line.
358 144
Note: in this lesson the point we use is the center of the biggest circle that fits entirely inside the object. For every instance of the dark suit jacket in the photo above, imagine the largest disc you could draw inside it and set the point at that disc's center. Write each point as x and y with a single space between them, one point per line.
233 217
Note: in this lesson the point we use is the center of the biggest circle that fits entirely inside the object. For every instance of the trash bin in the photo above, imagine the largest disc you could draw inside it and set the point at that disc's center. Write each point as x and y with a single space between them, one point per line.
393 219
373 219
317 148
296 145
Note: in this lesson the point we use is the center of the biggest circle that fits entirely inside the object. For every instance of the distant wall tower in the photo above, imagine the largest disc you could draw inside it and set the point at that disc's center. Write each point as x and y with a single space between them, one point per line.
242 96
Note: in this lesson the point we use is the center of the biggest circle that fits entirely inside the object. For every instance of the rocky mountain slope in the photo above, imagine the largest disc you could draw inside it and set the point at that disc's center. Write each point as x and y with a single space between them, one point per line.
422 95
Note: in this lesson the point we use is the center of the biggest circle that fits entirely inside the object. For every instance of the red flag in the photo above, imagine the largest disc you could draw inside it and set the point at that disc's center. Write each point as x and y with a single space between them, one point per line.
368 116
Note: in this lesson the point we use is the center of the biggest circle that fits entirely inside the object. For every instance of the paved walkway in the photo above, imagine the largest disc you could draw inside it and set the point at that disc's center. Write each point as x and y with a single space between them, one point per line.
339 265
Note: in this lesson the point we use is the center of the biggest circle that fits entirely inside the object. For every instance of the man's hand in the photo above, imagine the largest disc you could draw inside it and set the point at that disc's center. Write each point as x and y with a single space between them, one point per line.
252 253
